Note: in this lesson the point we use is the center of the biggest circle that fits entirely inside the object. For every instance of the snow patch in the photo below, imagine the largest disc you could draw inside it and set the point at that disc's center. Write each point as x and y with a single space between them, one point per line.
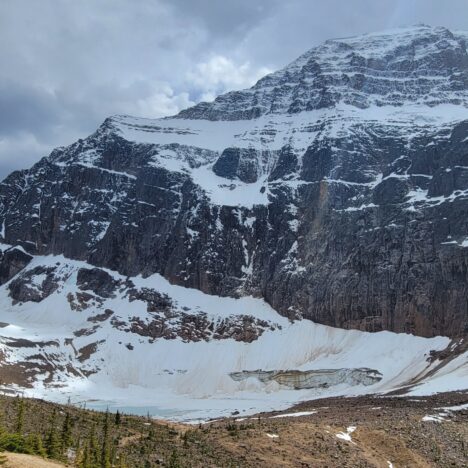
294 415
429 418
347 435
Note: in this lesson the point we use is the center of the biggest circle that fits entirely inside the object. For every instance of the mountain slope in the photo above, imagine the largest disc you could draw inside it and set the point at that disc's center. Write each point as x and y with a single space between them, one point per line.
351 214
334 190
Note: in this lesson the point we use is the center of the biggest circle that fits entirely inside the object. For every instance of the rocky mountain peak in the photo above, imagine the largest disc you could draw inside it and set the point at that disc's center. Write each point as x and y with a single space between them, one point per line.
336 189
421 64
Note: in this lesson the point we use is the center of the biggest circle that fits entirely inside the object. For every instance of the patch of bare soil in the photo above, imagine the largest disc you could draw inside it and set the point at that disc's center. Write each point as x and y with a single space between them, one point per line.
19 460
351 432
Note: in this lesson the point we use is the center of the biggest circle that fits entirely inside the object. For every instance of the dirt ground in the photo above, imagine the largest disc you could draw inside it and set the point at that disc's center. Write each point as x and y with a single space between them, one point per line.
18 460
352 432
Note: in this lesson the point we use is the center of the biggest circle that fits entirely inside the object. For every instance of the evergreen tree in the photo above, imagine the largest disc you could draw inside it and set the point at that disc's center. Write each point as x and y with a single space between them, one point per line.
2 415
52 444
151 433
113 452
105 450
84 457
117 418
94 458
12 442
33 445
78 452
19 416
39 446
3 458
66 435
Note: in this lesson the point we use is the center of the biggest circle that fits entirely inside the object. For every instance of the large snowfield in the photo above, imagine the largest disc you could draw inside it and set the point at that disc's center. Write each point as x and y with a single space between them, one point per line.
190 380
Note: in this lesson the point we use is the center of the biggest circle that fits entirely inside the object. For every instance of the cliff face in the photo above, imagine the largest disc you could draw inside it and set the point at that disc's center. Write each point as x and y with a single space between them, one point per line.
336 189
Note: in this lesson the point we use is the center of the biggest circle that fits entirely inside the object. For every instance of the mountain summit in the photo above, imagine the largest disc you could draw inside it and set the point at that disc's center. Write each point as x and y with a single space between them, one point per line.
422 65
334 191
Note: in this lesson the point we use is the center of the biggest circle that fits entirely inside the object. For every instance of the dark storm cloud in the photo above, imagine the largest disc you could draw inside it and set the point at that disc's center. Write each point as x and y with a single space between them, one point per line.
26 108
66 65
225 19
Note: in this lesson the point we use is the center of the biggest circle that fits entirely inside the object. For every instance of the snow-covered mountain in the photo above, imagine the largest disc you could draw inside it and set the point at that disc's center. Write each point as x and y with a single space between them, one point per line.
419 65
183 255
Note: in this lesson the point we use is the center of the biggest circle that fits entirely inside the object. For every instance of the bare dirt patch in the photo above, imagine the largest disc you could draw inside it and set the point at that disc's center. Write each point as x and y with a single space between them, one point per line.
19 460
381 431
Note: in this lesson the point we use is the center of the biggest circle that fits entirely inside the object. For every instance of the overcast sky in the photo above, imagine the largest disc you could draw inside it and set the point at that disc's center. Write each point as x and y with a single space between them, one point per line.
67 64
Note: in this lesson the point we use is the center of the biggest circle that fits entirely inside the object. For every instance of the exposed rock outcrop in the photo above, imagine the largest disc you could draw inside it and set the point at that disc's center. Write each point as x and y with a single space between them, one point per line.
34 285
12 261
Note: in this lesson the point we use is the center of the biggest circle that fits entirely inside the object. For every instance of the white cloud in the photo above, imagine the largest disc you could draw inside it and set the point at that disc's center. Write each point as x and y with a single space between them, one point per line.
219 74
162 102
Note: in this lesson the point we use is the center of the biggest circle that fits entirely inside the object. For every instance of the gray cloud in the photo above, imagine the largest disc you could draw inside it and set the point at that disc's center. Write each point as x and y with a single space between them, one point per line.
67 65
27 108
226 19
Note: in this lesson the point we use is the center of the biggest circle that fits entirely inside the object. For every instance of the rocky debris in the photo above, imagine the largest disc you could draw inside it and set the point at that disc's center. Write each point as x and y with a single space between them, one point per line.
82 300
98 281
21 373
34 285
87 351
86 331
101 317
383 430
118 323
322 378
34 360
24 343
155 301
196 327
242 328
12 261
454 349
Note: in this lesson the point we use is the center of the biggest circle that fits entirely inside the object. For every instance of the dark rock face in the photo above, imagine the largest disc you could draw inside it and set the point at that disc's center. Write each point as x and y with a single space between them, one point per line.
96 280
34 285
363 220
238 163
12 261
